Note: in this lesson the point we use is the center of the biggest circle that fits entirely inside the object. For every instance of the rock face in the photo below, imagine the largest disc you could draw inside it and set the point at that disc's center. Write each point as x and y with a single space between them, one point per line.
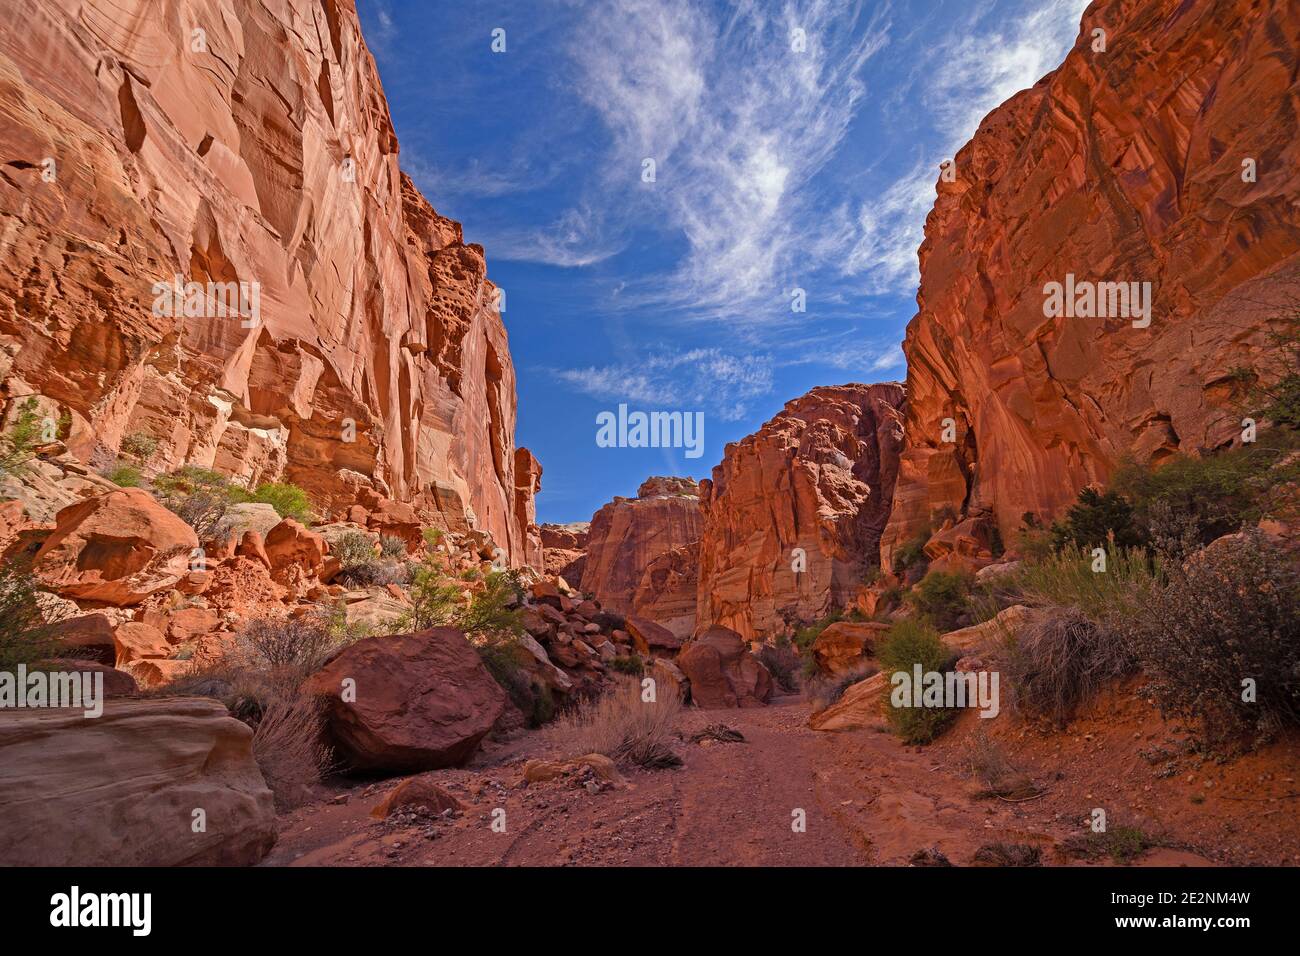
121 789
722 671
246 144
819 478
117 548
564 549
627 534
1150 162
422 701
841 647
669 589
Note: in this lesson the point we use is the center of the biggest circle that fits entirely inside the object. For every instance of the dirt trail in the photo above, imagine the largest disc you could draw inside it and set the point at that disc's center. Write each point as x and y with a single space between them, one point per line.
867 800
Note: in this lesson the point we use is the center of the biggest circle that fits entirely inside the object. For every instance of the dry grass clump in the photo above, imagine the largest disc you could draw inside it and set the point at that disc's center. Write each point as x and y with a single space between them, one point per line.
997 777
1060 658
624 727
290 750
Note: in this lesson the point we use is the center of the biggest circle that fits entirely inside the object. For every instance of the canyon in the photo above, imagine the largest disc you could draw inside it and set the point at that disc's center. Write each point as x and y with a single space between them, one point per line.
251 146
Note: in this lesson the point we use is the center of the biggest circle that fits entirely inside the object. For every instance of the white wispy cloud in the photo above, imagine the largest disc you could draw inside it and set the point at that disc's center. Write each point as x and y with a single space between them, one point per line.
736 121
972 70
708 379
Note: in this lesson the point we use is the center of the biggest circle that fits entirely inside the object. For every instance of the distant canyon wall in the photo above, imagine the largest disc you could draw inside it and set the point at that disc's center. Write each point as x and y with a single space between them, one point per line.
231 141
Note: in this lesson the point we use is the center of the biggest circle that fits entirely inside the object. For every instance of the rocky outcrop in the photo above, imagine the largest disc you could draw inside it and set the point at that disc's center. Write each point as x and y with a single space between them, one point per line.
408 702
840 648
1151 161
723 672
126 789
794 513
627 534
564 549
331 329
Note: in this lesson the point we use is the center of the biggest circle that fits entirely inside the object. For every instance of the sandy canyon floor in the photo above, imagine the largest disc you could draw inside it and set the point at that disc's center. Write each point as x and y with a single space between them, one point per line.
867 798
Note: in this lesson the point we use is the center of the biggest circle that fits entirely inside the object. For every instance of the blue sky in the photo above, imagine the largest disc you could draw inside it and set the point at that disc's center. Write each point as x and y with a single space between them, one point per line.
775 169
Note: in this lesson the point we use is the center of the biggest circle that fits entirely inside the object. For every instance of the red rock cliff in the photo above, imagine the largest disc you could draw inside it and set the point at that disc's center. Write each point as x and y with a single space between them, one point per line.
627 534
1124 165
240 142
818 477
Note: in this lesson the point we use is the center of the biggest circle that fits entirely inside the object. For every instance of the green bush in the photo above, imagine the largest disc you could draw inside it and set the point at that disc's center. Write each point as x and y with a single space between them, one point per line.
908 643
1067 580
1231 613
943 597
391 546
911 553
125 476
24 636
289 501
628 665
18 444
1096 519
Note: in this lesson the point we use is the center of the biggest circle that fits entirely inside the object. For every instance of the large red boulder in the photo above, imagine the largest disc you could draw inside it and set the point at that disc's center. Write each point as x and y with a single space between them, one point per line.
408 702
722 671
651 638
117 548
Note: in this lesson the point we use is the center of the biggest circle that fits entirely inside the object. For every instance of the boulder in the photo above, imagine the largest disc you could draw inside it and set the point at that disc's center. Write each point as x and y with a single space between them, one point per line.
421 794
650 638
991 633
859 707
117 683
116 548
413 702
240 519
722 671
121 790
289 544
840 647
136 641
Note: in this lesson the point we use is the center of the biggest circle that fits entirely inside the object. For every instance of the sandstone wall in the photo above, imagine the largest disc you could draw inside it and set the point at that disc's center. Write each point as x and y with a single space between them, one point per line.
627 534
818 477
250 142
1122 165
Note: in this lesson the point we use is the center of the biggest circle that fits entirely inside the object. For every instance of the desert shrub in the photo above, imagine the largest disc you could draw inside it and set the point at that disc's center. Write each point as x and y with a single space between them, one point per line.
822 690
908 643
24 636
140 447
782 661
609 621
353 548
1123 844
1059 659
494 609
632 664
198 496
1033 541
911 553
286 650
1095 519
288 500
391 546
125 475
1106 597
18 444
1203 498
507 661
289 749
1276 393
943 598
1230 613
623 727
375 573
